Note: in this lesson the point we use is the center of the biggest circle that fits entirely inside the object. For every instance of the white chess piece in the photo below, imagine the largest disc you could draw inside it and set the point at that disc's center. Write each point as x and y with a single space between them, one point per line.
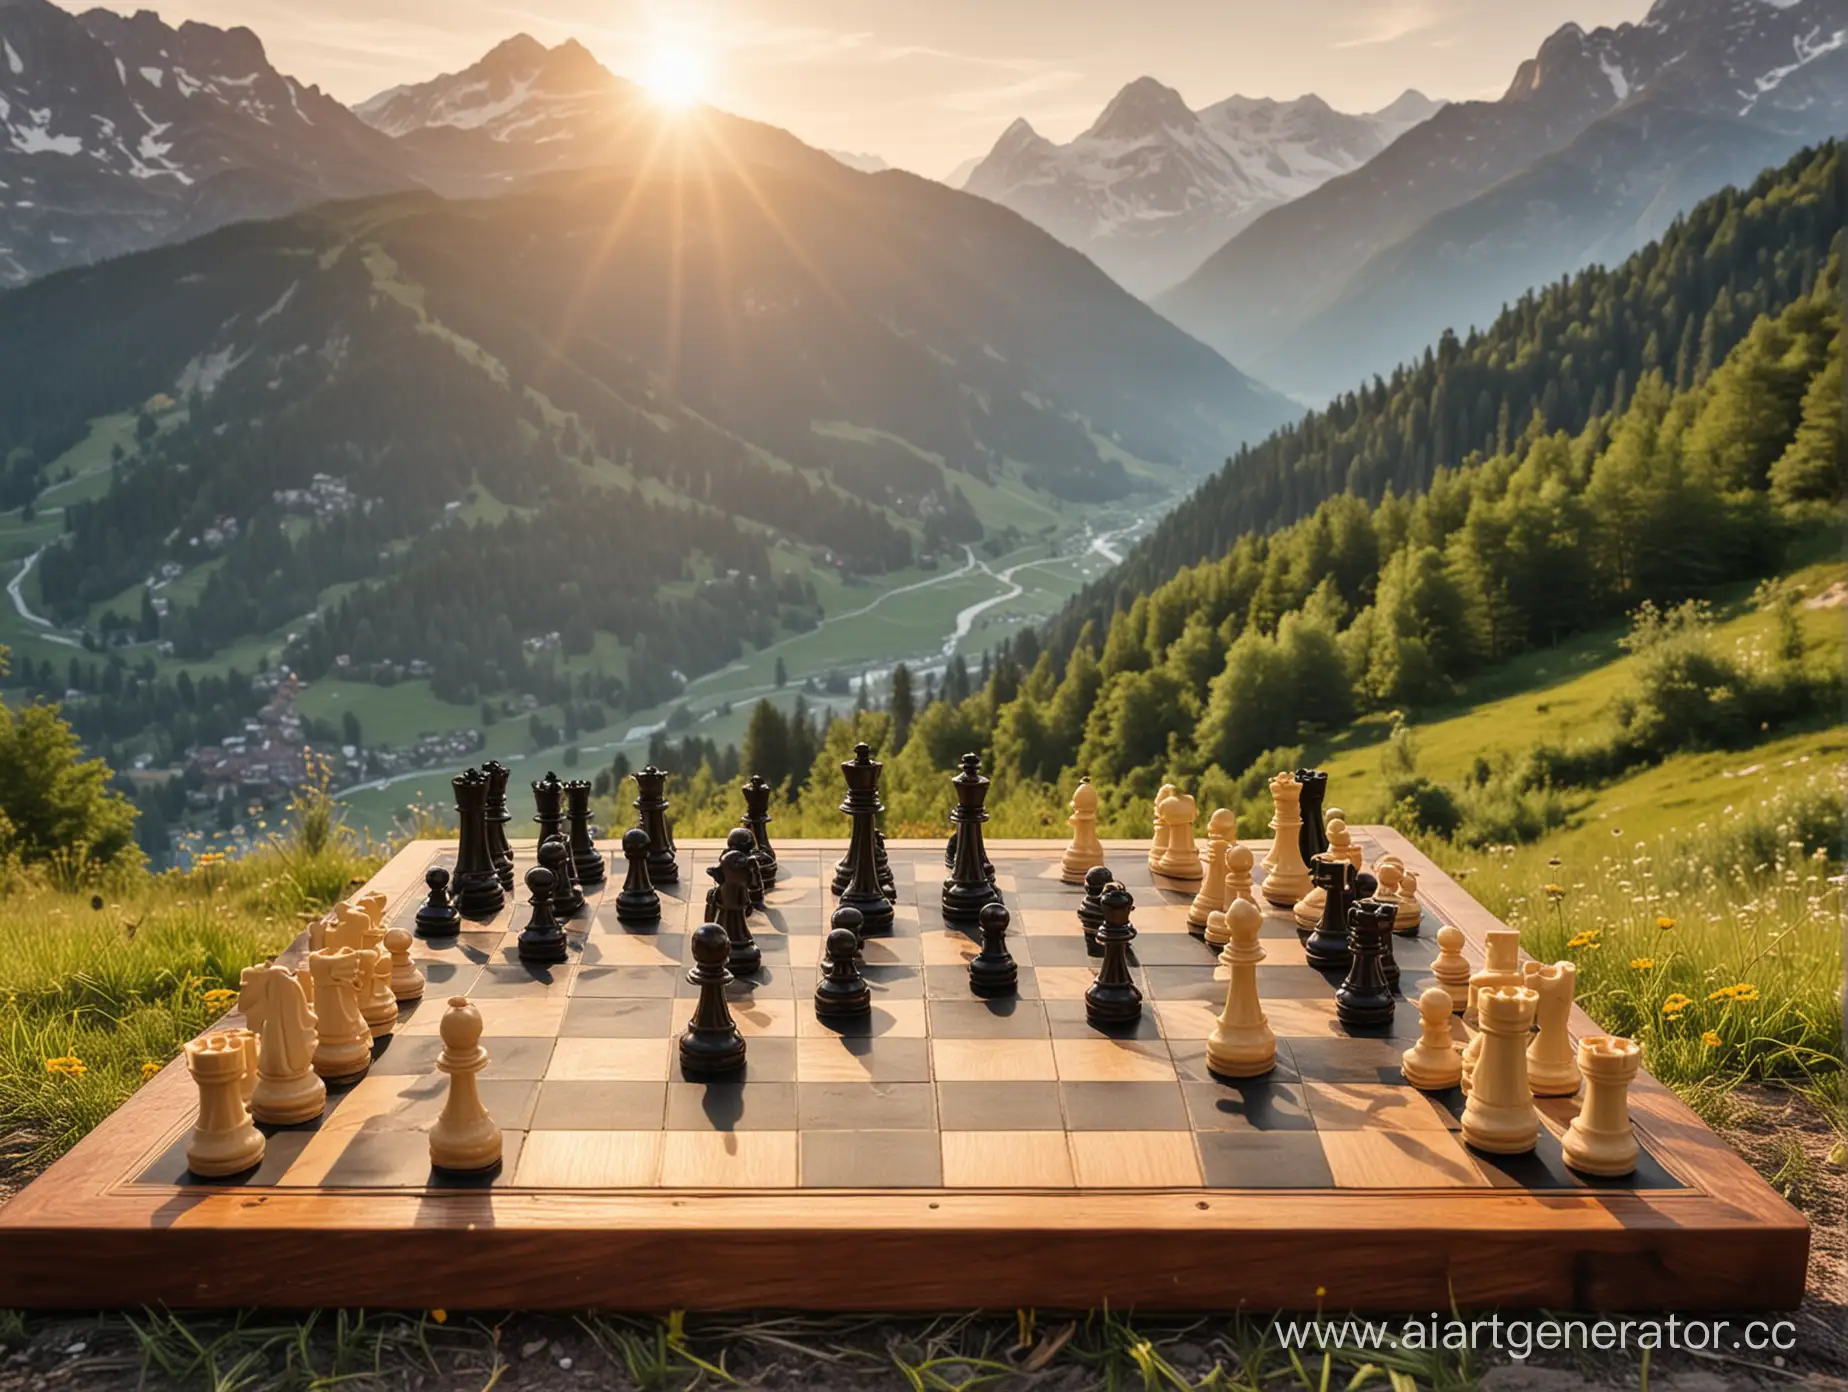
407 978
1451 967
1499 1116
224 1140
1221 831
1410 913
1600 1140
348 929
247 1041
343 1042
1501 966
1158 842
1242 1044
1239 860
1180 857
288 1090
1341 840
1085 850
1434 1062
1287 879
464 1137
373 903
1552 1069
377 1006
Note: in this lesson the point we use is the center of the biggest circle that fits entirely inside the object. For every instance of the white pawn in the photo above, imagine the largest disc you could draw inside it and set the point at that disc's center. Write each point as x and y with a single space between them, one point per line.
1085 849
1410 912
343 1043
1239 861
1552 1070
1180 857
1221 831
1341 842
407 979
224 1140
1158 842
464 1137
1600 1140
1242 1044
1499 1116
1433 1063
288 1090
1287 879
1451 967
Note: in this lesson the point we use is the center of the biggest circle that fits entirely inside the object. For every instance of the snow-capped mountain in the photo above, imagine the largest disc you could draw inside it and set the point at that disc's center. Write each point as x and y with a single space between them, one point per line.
1153 187
1598 142
119 132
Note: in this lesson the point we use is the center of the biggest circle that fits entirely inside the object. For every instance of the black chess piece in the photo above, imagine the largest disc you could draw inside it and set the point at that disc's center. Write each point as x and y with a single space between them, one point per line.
1312 838
842 992
971 883
863 890
757 817
887 884
567 898
542 941
949 853
549 813
1365 886
732 904
992 971
478 892
849 917
586 859
651 804
1363 1000
711 1042
1091 912
497 816
1113 999
1326 948
739 839
437 917
637 901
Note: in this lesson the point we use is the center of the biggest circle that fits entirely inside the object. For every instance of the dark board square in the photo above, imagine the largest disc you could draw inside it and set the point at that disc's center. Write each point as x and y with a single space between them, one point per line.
1063 950
731 1106
765 1061
898 982
1007 1017
606 949
772 979
1543 1167
282 1146
573 1105
1175 950
405 1055
952 983
1279 925
1189 1057
626 982
465 949
532 982
1650 1173
1294 983
999 1107
1256 1104
1066 1020
445 979
1264 1160
1183 983
1123 1106
1338 1060
516 1058
594 1017
871 1159
879 1060
865 1106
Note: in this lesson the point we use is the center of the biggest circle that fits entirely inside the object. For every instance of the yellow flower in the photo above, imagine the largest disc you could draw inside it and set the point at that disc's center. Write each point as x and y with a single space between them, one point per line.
1554 892
70 1066
1588 938
1675 1004
1643 963
1744 991
148 1070
1712 1039
440 1316
1664 922
219 999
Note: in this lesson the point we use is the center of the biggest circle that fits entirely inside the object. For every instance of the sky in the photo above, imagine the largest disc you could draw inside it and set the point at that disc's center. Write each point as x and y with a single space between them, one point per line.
926 84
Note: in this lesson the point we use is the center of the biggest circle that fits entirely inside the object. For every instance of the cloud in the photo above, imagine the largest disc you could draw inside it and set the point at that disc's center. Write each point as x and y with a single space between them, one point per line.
985 99
1391 25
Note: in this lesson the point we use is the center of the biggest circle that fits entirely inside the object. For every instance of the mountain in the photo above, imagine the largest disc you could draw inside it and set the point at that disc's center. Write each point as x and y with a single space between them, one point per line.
865 163
1599 142
1152 188
959 176
121 132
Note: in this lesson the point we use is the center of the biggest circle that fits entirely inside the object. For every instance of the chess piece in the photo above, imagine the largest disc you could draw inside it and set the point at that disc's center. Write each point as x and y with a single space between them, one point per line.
637 901
1499 1116
842 992
1433 1063
1242 1044
849 918
1391 873
757 819
378 1006
1085 849
1600 1140
1221 831
304 977
1341 841
1158 842
1411 912
407 978
1239 862
970 886
1363 1000
992 971
1326 948
1451 969
288 1090
861 889
1365 892
739 839
1501 966
464 1137
567 898
437 917
1552 1067
1091 912
711 1042
887 885
1312 837
1287 876
1112 999
586 859
224 1140
542 942
651 805
349 929
373 904
246 1041
478 893
732 910
1180 857
496 816
342 1041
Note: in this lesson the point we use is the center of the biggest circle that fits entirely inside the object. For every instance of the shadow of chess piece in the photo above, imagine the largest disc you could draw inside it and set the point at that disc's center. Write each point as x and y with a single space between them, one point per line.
992 971
970 884
651 806
711 1042
842 992
1091 912
637 901
739 839
567 898
1112 999
478 892
542 941
863 890
1363 1000
500 853
586 859
436 916
757 818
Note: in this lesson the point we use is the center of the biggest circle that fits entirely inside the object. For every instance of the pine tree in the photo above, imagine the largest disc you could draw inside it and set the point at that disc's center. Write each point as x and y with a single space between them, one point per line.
903 706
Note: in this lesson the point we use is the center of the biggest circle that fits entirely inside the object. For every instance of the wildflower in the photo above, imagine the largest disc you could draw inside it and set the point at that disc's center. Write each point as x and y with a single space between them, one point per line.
1712 1039
1555 892
220 998
1588 938
1743 991
69 1066
148 1070
1642 963
1664 922
440 1316
1675 1004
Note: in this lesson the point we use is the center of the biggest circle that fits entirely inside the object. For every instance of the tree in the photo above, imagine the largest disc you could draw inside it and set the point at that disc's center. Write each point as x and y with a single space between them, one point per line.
349 729
904 706
782 674
53 801
766 744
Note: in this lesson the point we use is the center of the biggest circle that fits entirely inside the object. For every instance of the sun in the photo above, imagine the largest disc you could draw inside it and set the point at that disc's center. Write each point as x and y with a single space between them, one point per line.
675 76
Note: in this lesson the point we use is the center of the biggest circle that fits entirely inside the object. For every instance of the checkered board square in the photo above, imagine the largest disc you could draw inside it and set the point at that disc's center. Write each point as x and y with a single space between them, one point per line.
936 1090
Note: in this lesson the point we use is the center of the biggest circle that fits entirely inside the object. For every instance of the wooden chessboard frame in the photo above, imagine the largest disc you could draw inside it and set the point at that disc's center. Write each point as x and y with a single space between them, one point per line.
84 1235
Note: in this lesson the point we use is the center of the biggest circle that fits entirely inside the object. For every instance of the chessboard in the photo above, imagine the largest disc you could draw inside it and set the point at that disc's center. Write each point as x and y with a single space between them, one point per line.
947 1151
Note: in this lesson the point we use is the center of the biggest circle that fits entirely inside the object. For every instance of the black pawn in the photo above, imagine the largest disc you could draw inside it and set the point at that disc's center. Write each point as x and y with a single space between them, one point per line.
1091 911
542 941
1326 948
711 1042
851 918
637 902
1363 1000
732 900
757 817
992 971
842 993
586 859
740 840
497 817
555 856
437 917
1113 999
